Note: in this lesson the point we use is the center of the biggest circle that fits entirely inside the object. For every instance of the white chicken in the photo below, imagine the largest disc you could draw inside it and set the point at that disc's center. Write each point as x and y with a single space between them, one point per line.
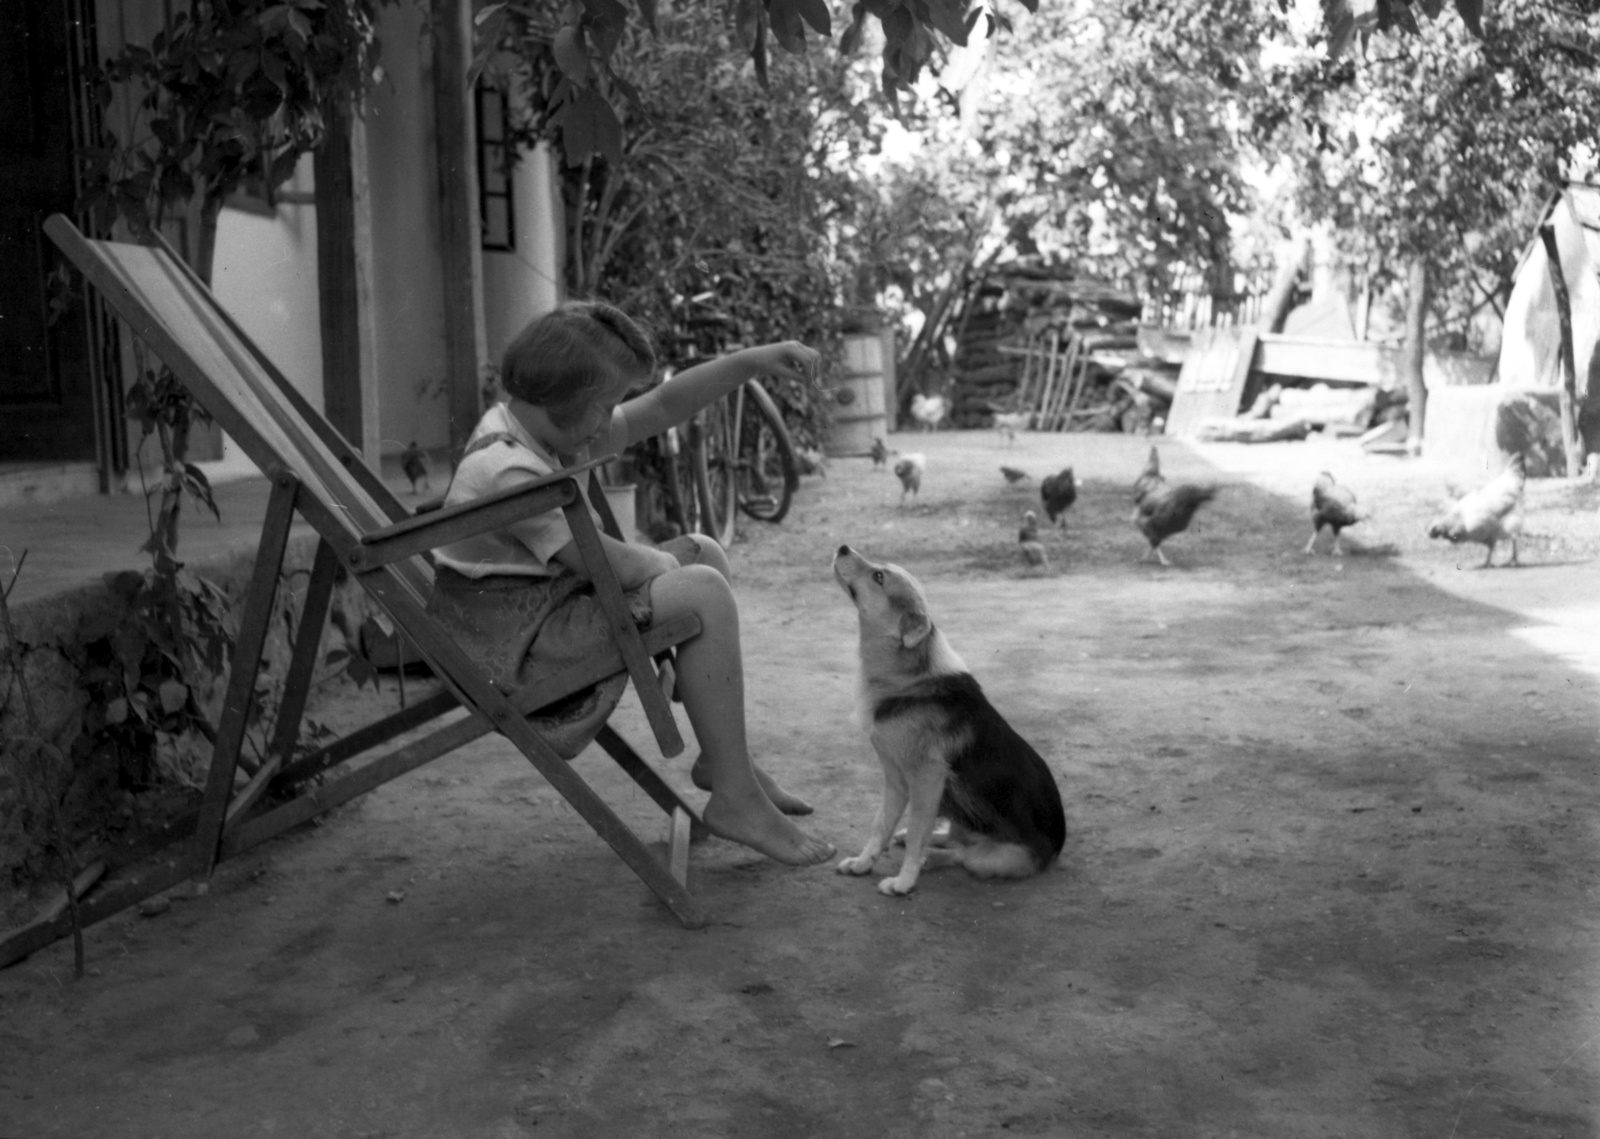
929 410
1490 514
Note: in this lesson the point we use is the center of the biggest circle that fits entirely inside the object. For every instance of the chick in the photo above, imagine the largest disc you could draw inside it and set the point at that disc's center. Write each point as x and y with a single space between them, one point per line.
1058 492
1150 476
1489 515
880 452
1333 506
1013 476
910 469
415 465
1028 541
1008 423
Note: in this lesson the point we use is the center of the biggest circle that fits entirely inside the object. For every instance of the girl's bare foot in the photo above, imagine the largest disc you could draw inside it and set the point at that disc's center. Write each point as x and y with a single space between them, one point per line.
760 826
700 776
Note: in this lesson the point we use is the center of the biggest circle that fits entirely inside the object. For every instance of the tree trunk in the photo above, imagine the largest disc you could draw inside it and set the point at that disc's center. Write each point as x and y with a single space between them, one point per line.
1415 349
1567 397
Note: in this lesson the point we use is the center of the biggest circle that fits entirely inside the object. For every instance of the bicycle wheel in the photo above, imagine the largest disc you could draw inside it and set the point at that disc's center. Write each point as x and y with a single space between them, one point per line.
769 472
713 445
676 479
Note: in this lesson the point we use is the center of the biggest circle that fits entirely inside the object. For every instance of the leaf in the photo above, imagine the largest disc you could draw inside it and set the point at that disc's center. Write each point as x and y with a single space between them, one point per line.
787 27
174 695
1471 12
815 13
117 711
647 9
897 28
571 55
840 1042
852 34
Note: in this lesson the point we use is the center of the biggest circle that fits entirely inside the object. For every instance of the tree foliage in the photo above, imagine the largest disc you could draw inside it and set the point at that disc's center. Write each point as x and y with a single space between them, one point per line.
1442 145
715 196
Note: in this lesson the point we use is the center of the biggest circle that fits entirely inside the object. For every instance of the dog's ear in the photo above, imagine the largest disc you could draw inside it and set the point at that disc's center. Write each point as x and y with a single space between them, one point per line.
915 625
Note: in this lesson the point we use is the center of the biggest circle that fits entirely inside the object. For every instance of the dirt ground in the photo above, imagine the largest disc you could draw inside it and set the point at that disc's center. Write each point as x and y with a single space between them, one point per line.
1333 866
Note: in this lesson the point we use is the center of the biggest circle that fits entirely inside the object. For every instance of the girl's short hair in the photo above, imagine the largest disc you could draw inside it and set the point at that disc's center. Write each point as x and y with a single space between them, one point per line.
561 358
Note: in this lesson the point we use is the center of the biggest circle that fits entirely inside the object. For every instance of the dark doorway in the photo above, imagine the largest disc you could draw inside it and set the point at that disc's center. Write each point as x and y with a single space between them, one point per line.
47 389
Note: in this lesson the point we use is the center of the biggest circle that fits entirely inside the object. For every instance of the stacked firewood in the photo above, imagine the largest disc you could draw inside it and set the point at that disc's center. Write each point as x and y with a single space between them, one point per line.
1066 348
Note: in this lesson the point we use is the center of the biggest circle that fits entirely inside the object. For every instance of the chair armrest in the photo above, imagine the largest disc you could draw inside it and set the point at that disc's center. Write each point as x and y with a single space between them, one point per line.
424 532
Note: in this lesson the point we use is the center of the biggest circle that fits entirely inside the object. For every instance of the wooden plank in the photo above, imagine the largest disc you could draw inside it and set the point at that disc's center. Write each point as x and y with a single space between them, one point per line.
679 835
240 695
648 779
297 681
365 739
438 528
111 898
623 630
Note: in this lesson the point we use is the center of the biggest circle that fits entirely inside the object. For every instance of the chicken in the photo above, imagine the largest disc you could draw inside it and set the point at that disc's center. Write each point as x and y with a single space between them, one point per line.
1334 506
1163 509
880 452
1028 541
910 469
1058 492
1008 423
1150 476
811 461
1013 476
929 410
415 465
1490 514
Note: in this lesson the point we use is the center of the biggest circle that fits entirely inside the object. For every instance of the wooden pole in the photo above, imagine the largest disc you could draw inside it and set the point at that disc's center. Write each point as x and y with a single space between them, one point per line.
1415 349
461 256
1567 397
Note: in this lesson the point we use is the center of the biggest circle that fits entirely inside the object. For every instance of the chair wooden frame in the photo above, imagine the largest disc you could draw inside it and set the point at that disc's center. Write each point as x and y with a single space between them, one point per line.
365 530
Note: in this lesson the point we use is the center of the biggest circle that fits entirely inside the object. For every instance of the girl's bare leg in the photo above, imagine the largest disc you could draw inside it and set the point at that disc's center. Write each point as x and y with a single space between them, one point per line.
709 553
711 681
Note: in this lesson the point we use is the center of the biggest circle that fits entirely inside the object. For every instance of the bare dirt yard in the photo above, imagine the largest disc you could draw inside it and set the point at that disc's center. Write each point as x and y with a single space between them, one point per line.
1333 865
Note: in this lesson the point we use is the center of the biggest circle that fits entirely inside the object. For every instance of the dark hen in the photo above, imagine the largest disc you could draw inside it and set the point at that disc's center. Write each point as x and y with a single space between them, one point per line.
1166 509
1333 506
414 462
880 452
1057 492
1490 514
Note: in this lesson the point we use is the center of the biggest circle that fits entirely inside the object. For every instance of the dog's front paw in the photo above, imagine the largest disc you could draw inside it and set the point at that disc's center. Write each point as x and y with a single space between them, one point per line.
860 864
897 887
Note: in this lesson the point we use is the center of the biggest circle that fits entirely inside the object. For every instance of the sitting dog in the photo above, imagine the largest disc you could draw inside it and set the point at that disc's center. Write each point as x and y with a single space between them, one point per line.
945 751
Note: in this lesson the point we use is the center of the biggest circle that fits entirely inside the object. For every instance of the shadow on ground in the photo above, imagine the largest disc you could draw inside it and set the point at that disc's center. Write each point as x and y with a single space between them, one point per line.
1331 871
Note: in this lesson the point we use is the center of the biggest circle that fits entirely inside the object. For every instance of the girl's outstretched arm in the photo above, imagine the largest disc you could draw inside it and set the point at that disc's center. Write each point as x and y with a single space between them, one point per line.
687 392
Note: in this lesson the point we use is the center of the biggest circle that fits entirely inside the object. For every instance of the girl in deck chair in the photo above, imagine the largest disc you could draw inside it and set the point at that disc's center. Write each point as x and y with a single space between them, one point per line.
517 599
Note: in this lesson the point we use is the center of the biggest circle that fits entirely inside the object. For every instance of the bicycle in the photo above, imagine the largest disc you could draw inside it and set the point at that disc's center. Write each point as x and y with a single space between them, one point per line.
736 455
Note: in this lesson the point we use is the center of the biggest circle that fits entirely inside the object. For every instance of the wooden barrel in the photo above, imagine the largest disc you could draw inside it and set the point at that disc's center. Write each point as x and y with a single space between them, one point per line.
859 409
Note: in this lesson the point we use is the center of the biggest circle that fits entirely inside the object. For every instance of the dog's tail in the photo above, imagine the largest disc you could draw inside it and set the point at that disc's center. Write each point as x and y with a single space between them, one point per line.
991 858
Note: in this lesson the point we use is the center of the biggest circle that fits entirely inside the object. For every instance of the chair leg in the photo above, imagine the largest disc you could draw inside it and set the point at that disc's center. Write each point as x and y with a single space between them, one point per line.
649 780
253 626
297 682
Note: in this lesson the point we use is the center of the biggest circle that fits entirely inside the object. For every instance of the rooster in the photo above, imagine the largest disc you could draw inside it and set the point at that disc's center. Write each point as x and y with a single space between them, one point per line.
929 410
909 470
880 452
1028 541
1058 492
1163 509
1490 514
415 465
1333 506
1013 476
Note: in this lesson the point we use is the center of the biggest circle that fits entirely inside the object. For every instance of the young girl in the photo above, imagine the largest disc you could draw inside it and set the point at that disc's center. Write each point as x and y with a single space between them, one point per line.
509 595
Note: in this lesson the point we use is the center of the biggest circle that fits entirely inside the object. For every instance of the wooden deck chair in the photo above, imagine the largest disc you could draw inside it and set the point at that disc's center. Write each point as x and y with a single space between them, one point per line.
364 529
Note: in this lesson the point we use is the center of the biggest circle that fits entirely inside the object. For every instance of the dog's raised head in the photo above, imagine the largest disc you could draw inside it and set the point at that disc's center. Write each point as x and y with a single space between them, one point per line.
899 642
